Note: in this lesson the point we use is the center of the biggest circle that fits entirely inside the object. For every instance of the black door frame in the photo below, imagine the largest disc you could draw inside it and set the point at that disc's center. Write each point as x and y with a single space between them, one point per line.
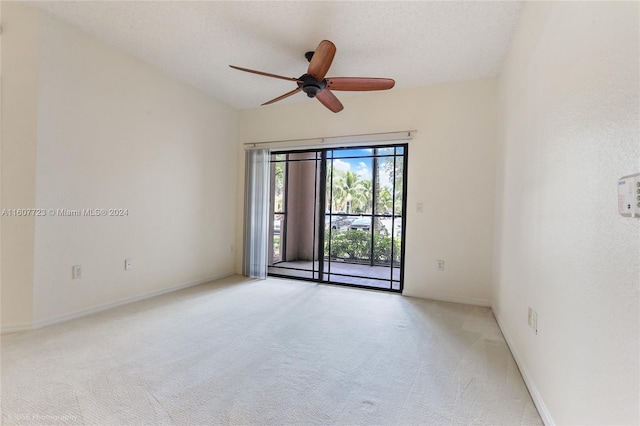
321 160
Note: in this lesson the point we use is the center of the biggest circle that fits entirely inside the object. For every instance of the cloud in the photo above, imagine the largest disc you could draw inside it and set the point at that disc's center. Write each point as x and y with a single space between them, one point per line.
362 170
341 165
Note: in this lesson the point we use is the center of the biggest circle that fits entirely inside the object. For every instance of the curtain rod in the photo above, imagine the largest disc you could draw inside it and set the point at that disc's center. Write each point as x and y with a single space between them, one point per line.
332 140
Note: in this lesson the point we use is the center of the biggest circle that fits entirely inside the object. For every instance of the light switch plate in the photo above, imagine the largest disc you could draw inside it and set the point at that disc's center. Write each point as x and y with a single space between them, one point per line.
76 272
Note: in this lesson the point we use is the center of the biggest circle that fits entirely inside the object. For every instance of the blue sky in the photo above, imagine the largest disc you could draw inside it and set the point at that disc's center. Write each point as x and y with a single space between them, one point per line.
360 166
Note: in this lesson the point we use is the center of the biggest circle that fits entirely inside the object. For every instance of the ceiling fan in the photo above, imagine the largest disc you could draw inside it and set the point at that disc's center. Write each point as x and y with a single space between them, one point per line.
315 85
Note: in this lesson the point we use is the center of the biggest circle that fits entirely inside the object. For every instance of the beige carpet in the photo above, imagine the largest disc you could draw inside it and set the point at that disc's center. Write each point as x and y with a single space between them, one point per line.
275 352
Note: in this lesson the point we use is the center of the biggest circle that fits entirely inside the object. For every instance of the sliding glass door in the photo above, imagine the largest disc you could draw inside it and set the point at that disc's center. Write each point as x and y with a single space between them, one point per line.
296 224
365 206
338 215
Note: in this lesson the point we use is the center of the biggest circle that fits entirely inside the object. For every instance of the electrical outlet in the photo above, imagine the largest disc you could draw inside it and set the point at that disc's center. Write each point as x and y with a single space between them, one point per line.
128 264
535 322
440 264
76 272
530 317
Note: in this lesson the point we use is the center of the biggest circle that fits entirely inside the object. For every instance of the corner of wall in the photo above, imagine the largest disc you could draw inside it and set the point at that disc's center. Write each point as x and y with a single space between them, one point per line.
568 129
19 139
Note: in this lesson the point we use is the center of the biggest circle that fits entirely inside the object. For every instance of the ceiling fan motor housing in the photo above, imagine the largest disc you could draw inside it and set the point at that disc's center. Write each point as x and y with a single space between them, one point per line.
310 85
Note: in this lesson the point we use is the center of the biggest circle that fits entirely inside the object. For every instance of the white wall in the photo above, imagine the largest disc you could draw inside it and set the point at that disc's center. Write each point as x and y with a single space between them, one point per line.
114 132
19 118
451 170
569 107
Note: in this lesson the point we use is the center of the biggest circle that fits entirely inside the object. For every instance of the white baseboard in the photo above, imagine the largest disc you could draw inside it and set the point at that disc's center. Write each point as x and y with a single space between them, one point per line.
105 306
451 299
17 328
528 381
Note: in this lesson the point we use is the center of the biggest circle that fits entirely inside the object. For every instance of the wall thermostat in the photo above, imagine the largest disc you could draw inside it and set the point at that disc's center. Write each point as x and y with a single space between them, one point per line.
629 195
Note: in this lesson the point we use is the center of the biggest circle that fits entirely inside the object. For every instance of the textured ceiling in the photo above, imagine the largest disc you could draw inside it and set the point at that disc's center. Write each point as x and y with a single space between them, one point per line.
415 43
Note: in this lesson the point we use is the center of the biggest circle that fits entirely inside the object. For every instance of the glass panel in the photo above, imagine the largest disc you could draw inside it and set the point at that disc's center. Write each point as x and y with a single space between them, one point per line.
278 206
382 249
351 190
351 245
361 224
385 151
338 222
295 228
399 178
278 226
330 199
343 153
397 240
384 186
279 178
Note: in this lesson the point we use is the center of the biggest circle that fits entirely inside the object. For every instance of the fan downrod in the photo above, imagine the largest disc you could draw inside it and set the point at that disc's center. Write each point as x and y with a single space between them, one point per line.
309 55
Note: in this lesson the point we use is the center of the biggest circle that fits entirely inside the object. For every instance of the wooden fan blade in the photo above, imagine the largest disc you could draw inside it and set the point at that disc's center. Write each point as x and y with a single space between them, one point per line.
328 99
279 98
321 60
263 73
359 83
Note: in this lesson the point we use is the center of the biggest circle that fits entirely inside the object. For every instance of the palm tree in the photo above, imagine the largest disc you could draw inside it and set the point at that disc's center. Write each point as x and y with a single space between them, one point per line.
394 171
345 189
385 200
364 196
334 179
